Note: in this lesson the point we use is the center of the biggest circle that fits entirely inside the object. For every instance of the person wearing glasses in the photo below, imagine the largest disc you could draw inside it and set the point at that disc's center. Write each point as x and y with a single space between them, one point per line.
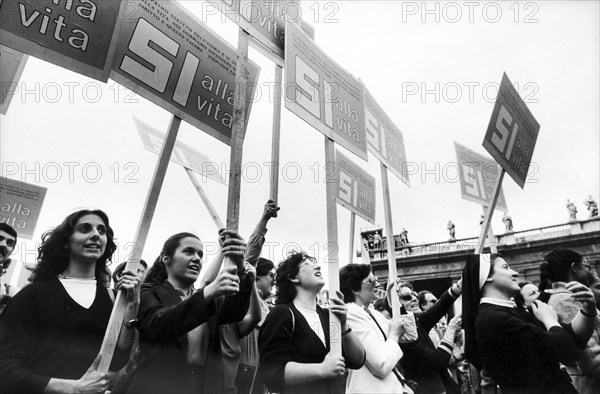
294 340
379 336
562 266
423 362
427 300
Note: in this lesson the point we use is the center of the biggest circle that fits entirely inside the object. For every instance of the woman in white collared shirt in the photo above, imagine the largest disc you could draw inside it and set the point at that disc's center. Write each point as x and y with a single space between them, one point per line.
378 335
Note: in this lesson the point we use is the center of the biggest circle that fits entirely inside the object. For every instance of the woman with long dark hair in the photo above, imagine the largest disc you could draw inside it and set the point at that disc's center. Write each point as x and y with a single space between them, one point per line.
53 328
294 340
181 354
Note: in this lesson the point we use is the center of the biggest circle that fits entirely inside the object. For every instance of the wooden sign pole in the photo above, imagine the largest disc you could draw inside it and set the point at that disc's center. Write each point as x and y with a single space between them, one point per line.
238 131
115 322
351 243
391 250
332 246
491 237
211 209
489 212
274 192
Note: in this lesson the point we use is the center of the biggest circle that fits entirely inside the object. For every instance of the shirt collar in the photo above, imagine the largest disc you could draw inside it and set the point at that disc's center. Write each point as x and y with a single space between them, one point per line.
497 302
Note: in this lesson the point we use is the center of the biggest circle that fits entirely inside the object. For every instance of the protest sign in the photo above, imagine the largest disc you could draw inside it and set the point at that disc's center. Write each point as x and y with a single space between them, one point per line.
76 35
356 188
264 20
384 139
511 133
21 205
12 64
478 176
322 93
178 63
182 154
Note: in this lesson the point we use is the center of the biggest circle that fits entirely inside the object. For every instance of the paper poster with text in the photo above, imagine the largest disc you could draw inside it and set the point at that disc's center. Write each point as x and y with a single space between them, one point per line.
478 177
384 139
77 35
175 61
12 64
182 154
512 133
322 93
356 188
20 206
264 20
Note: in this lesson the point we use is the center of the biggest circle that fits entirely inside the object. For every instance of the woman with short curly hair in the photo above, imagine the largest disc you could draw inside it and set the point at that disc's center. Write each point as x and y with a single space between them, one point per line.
294 340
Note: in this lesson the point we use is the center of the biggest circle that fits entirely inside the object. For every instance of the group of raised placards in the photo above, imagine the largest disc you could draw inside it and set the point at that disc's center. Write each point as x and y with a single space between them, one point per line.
160 51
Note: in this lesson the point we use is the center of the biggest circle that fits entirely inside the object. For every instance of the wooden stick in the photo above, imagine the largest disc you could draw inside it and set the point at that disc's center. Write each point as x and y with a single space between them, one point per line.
335 327
490 236
391 250
489 212
351 246
274 193
115 322
211 209
238 131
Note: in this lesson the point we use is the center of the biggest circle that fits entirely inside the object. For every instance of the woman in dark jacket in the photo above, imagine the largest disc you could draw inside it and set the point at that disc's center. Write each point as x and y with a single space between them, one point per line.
178 350
294 340
423 362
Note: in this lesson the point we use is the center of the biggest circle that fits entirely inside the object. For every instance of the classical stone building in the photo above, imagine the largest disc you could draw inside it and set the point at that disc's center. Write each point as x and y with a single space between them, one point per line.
433 266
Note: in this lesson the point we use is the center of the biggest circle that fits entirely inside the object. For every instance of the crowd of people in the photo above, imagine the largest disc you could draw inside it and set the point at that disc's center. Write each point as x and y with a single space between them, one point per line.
216 327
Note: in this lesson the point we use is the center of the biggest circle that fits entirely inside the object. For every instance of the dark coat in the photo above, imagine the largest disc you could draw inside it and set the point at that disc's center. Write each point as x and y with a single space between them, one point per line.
164 321
422 361
520 354
283 338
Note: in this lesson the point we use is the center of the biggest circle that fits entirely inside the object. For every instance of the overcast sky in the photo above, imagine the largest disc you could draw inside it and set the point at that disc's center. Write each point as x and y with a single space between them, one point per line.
435 74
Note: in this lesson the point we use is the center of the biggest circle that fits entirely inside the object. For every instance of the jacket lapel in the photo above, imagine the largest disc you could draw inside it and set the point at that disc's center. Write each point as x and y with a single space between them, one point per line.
169 297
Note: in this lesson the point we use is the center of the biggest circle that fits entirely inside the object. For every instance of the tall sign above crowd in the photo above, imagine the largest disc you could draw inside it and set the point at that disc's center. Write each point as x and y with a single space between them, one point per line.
179 64
384 139
512 133
20 206
264 20
510 138
322 93
478 176
356 187
76 35
182 154
12 63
